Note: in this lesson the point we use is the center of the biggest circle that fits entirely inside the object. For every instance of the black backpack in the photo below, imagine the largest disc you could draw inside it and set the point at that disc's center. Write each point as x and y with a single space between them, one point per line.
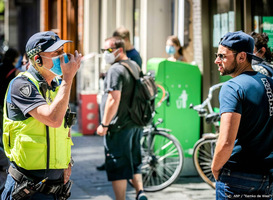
142 108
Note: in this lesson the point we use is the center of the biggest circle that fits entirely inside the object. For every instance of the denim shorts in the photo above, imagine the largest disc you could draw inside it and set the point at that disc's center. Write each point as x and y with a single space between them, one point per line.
241 185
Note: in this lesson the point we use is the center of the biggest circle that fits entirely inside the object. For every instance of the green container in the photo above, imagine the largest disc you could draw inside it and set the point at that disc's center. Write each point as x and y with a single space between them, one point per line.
183 82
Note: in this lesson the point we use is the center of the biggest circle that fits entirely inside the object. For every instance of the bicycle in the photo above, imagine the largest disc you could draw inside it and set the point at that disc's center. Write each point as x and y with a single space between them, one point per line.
162 154
204 148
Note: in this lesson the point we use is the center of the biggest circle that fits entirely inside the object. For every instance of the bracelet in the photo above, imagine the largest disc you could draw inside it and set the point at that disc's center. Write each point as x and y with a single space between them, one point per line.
104 126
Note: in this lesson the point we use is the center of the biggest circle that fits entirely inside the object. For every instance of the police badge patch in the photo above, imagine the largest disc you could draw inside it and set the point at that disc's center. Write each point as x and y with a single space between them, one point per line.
25 90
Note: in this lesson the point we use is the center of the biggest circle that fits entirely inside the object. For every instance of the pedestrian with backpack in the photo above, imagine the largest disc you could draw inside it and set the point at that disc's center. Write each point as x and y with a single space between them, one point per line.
131 53
122 149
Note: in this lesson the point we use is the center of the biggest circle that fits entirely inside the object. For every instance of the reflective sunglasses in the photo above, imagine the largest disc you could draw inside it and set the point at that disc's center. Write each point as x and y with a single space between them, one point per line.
110 50
221 56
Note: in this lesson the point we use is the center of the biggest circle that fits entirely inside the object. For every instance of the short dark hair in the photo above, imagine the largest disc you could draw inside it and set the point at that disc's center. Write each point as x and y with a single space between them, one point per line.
248 56
260 41
118 41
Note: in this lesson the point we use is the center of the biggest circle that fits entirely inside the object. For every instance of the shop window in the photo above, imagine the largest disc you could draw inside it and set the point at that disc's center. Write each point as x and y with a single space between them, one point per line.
262 17
223 20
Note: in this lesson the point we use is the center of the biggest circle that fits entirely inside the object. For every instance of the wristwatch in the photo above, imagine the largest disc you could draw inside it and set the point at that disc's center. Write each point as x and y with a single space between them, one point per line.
71 162
104 126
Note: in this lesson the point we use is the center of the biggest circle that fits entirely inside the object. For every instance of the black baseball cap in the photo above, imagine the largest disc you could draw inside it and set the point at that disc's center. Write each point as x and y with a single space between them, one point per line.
239 42
44 42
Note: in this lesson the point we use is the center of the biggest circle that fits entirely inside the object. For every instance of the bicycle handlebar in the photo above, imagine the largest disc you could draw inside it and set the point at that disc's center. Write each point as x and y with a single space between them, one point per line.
201 107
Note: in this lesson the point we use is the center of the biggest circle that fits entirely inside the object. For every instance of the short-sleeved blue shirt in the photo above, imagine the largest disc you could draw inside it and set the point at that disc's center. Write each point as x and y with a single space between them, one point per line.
251 95
134 55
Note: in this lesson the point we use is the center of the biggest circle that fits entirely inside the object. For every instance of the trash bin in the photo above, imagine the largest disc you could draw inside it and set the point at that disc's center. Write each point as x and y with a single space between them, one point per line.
183 82
88 114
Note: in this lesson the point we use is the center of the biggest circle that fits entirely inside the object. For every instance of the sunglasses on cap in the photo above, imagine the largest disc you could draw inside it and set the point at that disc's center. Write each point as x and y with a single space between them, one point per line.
110 50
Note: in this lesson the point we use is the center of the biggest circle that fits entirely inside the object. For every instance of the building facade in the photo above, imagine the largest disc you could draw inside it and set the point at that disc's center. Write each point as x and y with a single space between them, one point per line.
199 24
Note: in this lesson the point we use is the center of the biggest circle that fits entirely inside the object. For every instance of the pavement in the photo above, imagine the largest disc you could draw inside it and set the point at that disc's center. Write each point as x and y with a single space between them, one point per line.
88 183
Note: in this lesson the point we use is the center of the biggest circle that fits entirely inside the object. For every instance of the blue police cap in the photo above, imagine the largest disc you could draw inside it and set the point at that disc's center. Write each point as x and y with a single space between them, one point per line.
43 42
239 41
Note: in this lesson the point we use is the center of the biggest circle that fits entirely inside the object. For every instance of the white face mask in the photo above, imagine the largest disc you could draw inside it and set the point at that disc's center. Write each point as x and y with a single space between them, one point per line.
110 58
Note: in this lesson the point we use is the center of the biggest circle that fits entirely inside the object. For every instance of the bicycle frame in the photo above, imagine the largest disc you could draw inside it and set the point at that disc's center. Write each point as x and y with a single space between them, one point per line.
162 154
201 108
204 147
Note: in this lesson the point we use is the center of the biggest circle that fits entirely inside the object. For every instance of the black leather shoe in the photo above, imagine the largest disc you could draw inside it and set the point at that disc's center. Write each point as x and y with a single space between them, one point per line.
101 168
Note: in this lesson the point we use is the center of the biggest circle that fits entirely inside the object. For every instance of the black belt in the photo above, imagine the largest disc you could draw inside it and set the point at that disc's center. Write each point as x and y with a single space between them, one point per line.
47 188
17 175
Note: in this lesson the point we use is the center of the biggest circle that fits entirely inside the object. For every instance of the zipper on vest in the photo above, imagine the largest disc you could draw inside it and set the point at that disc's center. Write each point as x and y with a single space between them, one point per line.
48 147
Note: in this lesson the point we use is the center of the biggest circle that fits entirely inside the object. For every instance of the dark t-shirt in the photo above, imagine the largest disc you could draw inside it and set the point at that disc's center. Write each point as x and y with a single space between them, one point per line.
119 78
134 55
250 94
22 97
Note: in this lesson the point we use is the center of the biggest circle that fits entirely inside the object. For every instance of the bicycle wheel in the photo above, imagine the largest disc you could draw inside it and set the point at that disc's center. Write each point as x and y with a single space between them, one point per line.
202 155
162 160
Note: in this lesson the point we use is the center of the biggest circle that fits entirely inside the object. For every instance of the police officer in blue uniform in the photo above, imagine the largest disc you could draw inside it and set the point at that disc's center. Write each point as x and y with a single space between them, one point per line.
36 132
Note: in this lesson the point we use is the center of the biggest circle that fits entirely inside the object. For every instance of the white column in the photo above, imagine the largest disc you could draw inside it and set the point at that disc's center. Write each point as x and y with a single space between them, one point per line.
108 19
143 32
124 11
180 20
155 26
10 24
91 26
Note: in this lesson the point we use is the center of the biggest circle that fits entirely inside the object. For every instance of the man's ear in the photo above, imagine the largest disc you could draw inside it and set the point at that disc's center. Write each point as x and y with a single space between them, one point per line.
120 50
242 56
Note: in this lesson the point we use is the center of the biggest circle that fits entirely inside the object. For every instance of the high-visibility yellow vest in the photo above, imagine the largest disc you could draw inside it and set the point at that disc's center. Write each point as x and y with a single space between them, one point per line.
30 145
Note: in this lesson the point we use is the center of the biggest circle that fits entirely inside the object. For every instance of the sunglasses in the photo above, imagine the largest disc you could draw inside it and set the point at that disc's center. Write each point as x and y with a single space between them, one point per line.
110 50
222 56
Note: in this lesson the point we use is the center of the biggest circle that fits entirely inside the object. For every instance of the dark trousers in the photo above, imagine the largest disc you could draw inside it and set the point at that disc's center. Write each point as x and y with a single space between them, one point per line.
241 185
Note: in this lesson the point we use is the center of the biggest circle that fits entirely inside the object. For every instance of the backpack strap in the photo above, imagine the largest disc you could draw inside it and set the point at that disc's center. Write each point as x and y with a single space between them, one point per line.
135 74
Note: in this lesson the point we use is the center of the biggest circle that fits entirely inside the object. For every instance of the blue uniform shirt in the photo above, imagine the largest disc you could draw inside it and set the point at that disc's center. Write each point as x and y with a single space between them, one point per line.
250 94
134 55
22 97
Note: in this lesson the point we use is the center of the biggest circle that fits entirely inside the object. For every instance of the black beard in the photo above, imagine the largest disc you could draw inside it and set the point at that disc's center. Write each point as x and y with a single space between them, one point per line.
231 71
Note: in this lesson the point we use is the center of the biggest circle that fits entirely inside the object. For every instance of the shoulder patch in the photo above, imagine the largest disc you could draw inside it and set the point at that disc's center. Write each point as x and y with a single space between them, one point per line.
25 90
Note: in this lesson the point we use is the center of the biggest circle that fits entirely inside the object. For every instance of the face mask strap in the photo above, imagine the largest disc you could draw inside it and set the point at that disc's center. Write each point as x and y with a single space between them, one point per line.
258 51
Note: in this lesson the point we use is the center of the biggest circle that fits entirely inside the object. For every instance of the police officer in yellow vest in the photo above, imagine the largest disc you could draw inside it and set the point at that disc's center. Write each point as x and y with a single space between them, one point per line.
36 133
